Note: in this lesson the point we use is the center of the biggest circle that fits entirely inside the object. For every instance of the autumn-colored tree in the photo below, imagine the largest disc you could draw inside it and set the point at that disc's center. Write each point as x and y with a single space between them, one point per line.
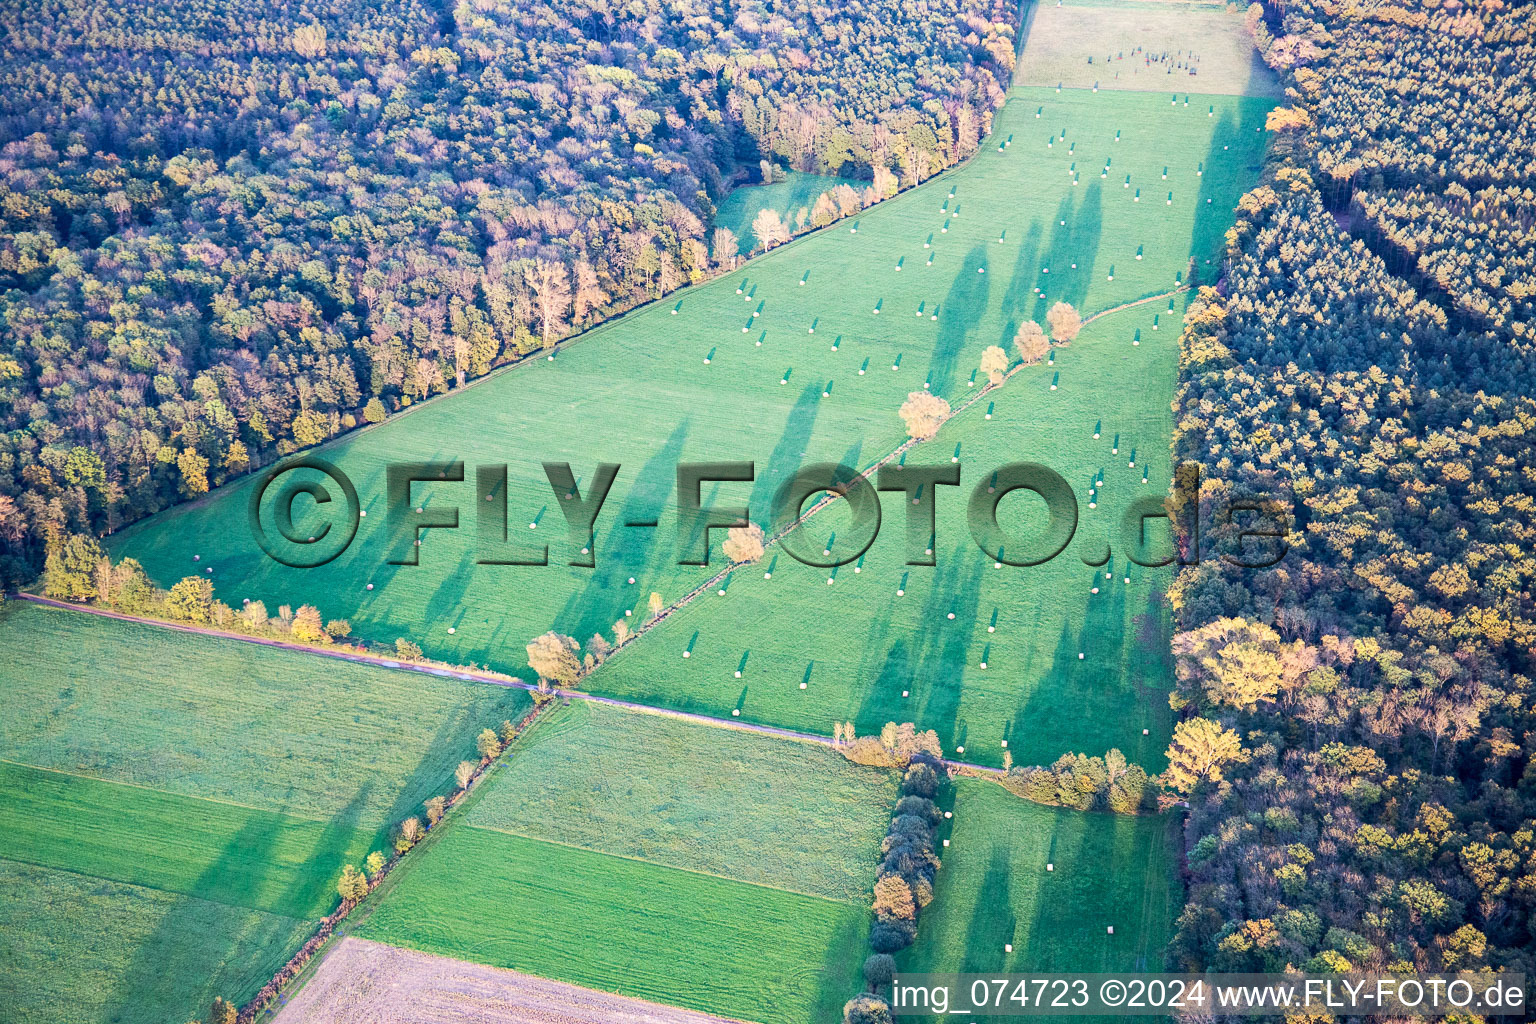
1200 748
352 885
409 832
1031 342
488 744
374 865
307 627
769 229
994 363
1232 662
551 286
1064 322
744 543
71 568
923 413
191 599
724 246
553 657
893 897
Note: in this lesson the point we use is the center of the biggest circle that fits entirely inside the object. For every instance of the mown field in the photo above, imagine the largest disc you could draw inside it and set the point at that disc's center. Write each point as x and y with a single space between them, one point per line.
1205 35
640 392
689 865
627 926
178 807
79 948
735 804
994 890
875 657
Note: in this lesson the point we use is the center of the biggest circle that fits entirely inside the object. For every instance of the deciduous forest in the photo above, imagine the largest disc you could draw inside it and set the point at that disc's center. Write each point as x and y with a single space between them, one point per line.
234 230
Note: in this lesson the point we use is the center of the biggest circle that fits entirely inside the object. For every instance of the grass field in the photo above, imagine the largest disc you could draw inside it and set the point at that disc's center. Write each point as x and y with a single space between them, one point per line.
1060 40
231 721
735 804
797 190
627 926
639 392
874 657
711 869
213 851
178 807
76 948
994 889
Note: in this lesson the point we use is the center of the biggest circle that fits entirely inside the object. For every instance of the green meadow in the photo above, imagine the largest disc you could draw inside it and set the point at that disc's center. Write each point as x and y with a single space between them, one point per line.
79 948
1050 883
685 864
736 804
883 646
698 378
627 926
786 198
187 801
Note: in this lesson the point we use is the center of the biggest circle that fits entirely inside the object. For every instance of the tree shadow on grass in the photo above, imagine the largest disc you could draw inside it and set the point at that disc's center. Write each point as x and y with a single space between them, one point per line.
631 551
841 977
944 643
962 309
1018 297
785 459
235 878
993 923
1076 242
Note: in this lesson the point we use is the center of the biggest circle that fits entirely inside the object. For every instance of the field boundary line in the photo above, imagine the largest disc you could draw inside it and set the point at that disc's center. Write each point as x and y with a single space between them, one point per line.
658 864
155 888
468 675
167 792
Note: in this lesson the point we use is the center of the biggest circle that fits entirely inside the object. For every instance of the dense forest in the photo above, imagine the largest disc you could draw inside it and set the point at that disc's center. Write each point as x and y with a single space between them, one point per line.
233 229
1367 362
